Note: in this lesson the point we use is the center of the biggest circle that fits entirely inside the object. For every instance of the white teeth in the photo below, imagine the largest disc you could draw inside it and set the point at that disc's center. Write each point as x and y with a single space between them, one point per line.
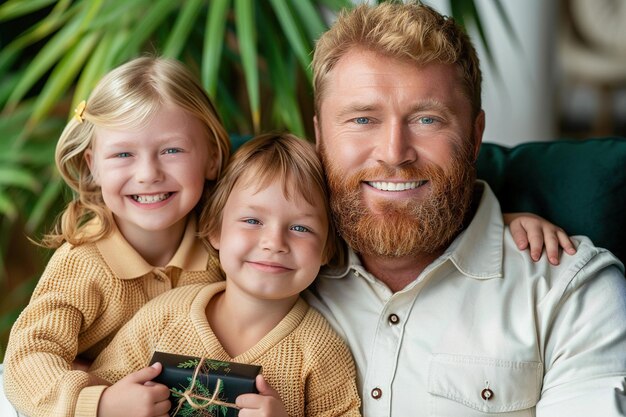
396 186
149 199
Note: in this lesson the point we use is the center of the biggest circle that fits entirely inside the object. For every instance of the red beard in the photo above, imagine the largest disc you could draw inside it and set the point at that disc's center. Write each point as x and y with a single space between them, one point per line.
404 228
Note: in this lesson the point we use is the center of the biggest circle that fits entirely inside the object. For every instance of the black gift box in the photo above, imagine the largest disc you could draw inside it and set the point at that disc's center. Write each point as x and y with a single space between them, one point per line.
177 374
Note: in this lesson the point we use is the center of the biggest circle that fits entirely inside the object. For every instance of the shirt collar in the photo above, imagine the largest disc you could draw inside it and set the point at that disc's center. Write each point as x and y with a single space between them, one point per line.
339 271
126 263
477 252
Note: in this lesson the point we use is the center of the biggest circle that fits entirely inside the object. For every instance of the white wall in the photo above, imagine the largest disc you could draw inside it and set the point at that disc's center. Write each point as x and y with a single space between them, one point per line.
520 107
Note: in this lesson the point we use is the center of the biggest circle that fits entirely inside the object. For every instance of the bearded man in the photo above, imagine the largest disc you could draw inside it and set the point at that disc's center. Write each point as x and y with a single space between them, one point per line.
444 316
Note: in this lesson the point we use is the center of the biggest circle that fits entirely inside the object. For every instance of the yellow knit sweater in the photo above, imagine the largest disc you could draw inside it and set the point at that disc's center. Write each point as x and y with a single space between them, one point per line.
84 296
302 357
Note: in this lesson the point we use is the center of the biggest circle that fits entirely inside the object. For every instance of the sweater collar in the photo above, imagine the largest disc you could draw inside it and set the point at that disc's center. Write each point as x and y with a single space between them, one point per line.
127 263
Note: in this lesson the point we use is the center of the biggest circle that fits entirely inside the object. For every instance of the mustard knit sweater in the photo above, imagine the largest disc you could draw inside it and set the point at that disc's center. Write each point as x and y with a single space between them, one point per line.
302 357
84 296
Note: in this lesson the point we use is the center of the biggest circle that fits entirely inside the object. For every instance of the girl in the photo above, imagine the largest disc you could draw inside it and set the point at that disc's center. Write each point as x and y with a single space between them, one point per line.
139 155
269 220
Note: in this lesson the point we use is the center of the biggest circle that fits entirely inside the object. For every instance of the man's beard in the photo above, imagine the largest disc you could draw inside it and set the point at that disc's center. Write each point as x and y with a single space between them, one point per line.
402 228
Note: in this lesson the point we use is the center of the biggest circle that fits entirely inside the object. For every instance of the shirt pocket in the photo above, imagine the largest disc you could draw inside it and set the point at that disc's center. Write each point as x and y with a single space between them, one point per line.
472 386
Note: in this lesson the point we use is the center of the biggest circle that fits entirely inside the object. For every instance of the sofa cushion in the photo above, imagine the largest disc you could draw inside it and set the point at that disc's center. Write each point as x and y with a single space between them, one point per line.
579 185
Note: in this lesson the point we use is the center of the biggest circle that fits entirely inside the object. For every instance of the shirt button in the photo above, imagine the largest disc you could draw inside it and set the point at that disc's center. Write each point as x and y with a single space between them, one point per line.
486 394
393 319
377 393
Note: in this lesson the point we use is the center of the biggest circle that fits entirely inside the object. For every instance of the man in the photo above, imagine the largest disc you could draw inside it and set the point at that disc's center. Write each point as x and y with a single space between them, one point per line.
444 316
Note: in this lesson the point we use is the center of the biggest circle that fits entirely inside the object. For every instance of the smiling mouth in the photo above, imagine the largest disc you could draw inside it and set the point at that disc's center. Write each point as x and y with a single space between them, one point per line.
396 186
269 266
150 198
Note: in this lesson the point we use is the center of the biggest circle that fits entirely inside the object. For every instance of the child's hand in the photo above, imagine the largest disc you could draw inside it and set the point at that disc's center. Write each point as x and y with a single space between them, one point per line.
529 229
266 403
136 395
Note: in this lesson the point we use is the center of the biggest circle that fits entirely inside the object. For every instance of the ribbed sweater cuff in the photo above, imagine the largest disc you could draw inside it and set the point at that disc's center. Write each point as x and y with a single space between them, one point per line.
88 399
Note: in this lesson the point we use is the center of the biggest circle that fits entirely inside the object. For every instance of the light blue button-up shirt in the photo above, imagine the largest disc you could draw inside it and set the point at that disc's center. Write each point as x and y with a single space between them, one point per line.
484 330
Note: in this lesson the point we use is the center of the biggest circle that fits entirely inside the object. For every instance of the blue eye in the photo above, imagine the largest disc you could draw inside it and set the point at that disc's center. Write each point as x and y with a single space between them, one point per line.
252 221
299 228
362 120
426 120
173 150
123 155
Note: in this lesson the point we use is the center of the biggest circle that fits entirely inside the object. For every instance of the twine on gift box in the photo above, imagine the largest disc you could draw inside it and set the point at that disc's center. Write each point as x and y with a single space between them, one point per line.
189 396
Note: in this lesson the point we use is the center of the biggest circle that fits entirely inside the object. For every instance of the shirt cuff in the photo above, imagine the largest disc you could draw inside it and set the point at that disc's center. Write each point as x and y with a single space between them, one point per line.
88 399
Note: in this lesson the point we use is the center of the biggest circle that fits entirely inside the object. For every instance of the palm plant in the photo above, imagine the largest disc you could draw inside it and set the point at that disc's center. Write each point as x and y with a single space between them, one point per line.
251 56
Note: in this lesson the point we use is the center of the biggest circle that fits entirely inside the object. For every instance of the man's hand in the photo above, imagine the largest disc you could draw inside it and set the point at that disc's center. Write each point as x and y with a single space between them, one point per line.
266 403
136 395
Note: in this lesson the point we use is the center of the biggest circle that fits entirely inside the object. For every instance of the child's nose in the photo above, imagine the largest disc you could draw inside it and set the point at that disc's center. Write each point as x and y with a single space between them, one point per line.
274 239
148 171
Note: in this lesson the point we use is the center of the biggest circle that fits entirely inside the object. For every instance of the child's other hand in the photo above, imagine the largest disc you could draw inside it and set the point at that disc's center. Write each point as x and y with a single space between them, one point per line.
531 230
136 395
266 403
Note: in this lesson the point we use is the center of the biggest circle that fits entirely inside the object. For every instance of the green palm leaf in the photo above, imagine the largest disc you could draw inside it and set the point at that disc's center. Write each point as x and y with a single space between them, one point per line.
50 195
100 61
246 33
286 107
180 33
213 41
309 18
62 77
54 50
157 13
19 177
337 4
296 39
466 11
16 8
37 32
7 207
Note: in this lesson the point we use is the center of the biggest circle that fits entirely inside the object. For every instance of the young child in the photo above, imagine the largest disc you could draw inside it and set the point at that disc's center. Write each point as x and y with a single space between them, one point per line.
139 156
269 220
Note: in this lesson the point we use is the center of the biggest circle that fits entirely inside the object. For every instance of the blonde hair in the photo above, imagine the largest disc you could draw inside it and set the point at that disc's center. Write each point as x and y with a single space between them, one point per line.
127 97
263 160
410 31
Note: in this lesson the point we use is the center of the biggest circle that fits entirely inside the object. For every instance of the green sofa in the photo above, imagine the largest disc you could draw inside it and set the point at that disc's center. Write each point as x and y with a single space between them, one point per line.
579 185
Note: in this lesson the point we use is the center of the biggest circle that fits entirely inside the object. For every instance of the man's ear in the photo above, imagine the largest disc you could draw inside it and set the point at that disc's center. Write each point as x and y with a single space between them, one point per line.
318 137
478 130
88 155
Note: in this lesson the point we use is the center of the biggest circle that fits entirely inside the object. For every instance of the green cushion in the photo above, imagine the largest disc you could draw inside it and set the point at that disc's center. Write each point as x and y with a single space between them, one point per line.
579 185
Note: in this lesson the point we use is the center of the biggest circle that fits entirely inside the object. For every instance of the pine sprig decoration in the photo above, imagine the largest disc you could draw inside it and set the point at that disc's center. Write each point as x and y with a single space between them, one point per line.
199 388
191 363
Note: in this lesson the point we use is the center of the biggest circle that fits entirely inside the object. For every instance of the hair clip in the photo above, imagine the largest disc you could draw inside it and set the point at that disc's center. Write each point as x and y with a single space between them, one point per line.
79 111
